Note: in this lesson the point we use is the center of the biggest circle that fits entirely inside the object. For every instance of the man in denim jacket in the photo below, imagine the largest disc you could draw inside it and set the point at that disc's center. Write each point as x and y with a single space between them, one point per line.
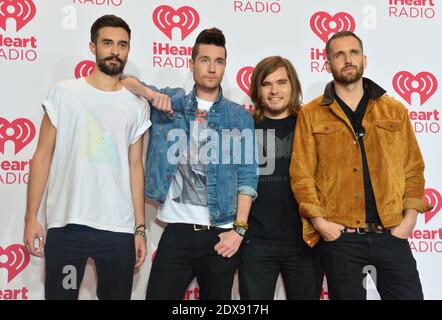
201 169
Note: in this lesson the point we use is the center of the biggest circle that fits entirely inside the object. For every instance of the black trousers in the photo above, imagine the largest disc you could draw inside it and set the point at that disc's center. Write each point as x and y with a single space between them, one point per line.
388 259
67 250
261 264
184 254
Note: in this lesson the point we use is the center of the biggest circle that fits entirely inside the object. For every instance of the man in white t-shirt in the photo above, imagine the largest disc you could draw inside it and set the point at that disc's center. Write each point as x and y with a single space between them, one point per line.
89 155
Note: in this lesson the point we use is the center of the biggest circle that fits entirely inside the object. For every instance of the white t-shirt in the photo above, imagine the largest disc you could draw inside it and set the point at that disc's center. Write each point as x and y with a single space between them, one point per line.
89 179
186 201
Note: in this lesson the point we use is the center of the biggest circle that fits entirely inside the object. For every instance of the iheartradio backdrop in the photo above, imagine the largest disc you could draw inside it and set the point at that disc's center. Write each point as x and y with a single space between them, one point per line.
42 42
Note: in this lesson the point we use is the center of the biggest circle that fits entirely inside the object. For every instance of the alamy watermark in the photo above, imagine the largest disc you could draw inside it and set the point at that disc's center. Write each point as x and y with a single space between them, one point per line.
230 146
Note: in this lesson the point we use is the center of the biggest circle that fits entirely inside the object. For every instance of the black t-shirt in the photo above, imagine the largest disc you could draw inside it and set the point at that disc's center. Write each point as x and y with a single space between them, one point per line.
274 216
356 117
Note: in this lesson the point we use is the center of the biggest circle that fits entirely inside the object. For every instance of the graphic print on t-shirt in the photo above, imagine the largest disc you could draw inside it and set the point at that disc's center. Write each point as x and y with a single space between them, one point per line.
276 146
97 145
190 186
283 146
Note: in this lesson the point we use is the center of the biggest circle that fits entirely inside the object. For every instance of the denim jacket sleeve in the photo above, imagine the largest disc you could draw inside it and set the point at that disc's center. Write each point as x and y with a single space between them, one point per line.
248 170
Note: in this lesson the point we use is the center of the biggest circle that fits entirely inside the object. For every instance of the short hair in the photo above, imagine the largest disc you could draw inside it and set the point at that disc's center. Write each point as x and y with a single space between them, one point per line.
209 36
108 21
341 34
266 67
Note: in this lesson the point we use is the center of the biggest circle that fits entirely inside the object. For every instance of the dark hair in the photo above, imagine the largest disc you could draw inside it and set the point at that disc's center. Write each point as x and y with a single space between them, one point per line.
108 21
341 34
209 36
266 67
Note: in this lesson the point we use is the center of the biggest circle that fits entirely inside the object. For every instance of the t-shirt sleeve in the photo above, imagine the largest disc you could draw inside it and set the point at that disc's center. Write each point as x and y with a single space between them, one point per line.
143 122
51 105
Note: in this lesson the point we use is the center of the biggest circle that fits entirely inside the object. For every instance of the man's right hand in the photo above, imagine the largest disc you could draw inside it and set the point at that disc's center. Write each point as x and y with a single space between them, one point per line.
329 231
34 231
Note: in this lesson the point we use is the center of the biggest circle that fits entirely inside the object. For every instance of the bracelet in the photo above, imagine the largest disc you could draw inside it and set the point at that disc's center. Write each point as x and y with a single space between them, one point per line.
243 224
140 226
141 234
240 228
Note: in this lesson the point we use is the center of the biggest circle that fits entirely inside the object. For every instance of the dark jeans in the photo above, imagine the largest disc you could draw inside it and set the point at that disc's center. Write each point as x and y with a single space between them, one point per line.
346 260
260 265
184 254
67 250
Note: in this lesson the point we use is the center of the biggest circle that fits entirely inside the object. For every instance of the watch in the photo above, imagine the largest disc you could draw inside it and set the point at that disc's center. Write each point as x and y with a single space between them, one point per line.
240 228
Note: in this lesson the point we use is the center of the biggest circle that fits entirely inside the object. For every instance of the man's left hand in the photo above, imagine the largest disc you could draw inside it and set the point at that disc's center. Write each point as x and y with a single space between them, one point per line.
406 227
140 251
229 243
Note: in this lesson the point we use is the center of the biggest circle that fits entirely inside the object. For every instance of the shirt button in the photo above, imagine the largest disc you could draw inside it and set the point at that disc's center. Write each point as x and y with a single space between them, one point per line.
358 221
357 196
355 142
355 169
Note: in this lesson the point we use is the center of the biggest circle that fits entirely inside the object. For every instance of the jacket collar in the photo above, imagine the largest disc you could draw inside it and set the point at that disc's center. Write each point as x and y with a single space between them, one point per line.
218 100
373 90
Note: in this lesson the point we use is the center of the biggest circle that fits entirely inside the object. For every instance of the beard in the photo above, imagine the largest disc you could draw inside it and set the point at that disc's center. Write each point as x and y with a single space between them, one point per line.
341 77
113 69
275 111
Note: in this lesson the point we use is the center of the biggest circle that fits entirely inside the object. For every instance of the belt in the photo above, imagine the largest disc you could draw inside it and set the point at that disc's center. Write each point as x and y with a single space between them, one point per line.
190 227
370 227
199 227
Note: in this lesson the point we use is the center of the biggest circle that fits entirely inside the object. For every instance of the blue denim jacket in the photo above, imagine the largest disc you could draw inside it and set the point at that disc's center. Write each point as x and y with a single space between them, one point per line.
224 179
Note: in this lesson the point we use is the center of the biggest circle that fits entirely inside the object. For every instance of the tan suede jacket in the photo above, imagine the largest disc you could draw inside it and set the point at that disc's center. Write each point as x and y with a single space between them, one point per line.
326 167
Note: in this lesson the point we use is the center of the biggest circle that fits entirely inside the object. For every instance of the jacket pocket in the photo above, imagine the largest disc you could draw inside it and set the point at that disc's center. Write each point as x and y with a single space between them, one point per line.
327 128
389 138
389 125
328 138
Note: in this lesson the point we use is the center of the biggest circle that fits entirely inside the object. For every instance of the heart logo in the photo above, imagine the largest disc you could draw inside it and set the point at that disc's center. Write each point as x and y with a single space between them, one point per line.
17 260
84 68
244 77
323 24
185 18
22 11
424 84
433 197
20 131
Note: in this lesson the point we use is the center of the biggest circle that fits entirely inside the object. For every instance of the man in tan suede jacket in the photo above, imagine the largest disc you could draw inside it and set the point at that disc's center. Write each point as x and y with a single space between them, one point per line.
357 174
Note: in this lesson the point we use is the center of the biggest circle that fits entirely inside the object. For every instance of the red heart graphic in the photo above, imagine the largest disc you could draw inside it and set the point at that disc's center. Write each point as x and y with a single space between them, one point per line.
433 197
17 260
22 11
185 18
323 24
20 131
243 78
84 68
425 84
